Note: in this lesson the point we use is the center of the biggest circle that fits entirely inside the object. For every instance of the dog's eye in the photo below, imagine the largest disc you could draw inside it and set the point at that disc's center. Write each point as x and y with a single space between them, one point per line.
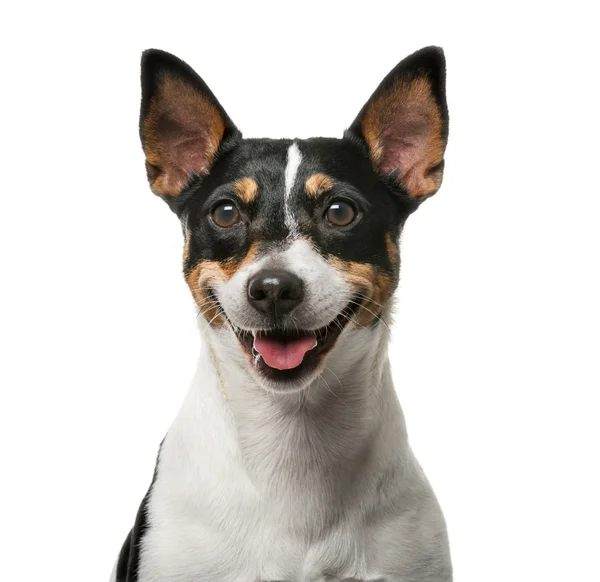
340 213
226 214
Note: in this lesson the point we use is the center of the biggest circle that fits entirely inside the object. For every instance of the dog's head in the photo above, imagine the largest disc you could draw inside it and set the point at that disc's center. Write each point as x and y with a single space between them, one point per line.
291 243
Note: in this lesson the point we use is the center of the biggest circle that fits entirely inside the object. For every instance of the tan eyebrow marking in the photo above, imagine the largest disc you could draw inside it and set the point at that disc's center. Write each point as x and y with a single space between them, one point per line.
318 184
246 189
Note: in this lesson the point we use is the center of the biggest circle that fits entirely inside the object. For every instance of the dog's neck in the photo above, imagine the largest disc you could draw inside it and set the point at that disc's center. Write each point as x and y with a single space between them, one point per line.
324 430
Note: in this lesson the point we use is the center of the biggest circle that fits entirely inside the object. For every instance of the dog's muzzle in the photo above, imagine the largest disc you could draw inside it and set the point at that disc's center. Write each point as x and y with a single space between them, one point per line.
277 293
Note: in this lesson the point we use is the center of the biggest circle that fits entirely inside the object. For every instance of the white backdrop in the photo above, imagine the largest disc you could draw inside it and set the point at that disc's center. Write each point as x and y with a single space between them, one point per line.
496 337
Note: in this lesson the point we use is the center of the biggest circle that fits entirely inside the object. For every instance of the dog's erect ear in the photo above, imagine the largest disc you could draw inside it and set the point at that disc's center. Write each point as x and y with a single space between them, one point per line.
404 125
182 125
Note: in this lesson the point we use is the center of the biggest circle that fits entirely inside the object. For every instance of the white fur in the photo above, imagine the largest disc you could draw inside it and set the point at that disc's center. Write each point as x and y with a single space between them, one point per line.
259 486
294 159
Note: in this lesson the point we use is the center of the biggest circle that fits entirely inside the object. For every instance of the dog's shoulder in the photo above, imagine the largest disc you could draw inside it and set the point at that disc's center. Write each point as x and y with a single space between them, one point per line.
126 568
127 565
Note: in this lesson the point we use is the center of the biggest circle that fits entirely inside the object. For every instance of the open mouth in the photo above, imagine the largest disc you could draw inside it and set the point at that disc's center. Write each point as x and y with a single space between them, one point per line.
289 354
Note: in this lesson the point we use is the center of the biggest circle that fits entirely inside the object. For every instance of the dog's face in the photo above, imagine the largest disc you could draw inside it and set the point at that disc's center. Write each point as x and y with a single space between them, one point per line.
291 243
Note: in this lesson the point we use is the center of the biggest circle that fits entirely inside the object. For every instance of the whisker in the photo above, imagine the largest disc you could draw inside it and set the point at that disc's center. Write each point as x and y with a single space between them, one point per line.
370 300
221 312
332 392
375 315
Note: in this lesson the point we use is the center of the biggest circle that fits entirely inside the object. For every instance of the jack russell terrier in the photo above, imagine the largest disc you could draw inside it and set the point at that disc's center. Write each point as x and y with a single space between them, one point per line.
289 459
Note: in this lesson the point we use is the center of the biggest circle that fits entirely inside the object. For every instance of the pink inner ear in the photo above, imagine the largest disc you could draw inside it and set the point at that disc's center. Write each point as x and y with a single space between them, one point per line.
403 129
183 153
185 157
409 156
189 154
403 144
185 139
407 145
183 132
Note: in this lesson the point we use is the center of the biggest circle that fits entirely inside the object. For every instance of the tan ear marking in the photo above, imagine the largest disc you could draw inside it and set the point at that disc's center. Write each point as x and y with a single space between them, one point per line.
246 189
403 131
182 133
317 185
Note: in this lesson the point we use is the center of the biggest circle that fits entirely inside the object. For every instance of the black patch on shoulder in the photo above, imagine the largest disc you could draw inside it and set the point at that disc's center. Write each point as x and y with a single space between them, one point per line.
129 556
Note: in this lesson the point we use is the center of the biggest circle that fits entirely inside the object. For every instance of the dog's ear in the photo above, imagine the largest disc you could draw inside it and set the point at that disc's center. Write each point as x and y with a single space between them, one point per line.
182 125
404 125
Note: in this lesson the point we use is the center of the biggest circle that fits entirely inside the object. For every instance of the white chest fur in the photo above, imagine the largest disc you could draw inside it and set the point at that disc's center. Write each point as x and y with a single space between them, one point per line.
246 491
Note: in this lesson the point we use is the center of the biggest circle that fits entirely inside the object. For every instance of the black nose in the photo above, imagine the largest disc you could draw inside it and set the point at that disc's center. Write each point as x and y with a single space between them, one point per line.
275 291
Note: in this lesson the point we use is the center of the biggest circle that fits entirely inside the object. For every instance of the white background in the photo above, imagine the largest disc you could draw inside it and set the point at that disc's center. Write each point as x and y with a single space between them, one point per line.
496 336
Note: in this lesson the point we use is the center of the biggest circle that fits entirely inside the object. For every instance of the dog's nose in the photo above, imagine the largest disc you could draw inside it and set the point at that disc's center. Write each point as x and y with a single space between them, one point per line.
275 291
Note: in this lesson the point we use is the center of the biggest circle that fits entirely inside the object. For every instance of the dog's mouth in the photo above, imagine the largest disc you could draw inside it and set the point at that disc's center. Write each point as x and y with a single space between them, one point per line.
282 354
284 351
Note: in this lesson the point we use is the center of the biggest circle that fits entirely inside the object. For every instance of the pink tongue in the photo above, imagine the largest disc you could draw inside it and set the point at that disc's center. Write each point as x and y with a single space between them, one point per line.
284 355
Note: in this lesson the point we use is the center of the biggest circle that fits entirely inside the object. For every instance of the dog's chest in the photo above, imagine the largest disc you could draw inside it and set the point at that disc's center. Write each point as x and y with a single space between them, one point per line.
207 520
267 554
251 544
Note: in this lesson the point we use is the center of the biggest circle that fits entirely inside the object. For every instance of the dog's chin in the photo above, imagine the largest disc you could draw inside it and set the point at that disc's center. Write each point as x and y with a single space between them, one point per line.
286 360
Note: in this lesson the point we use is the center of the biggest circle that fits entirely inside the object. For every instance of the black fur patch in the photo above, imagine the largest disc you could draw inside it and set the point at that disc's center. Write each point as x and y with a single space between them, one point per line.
129 556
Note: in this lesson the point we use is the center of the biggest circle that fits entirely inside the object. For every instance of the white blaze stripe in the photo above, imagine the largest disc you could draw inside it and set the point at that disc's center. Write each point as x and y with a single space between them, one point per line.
294 159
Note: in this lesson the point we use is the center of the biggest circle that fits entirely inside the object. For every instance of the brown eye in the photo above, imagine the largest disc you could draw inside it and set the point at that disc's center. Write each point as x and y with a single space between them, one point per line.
340 213
226 215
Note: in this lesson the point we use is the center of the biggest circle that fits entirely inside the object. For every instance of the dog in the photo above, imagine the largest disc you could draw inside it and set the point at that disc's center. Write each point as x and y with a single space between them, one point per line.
289 459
